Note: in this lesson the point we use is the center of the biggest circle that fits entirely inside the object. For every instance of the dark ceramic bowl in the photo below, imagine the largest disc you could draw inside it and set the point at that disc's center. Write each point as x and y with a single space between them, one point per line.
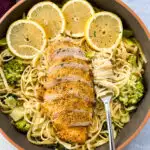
139 118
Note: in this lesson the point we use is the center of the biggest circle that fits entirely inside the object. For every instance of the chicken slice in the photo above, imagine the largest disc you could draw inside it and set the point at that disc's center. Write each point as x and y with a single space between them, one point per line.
64 72
57 44
79 89
64 103
53 96
68 65
53 81
69 59
71 118
75 52
73 135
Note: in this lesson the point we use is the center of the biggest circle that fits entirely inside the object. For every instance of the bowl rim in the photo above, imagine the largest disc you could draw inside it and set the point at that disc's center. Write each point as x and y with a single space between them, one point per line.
147 32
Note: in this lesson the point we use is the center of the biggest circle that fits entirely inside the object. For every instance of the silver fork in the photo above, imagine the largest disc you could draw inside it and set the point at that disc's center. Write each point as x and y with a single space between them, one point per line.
106 100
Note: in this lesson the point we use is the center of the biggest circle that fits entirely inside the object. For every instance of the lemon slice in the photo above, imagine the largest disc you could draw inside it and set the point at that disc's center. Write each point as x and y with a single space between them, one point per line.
48 15
76 13
26 38
104 31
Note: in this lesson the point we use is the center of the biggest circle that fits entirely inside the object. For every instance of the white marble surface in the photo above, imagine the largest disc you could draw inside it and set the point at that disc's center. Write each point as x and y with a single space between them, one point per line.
142 141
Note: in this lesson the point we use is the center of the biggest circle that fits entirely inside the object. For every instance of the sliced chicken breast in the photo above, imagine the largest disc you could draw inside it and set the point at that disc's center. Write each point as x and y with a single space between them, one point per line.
69 95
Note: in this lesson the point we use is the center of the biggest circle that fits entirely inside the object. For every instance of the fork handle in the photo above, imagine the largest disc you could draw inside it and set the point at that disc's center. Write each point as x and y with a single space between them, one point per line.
109 126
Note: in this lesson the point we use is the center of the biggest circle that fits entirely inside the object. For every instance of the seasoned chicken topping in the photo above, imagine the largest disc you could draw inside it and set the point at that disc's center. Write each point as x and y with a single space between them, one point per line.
68 65
54 81
79 89
69 59
65 52
70 117
69 95
63 103
69 71
73 134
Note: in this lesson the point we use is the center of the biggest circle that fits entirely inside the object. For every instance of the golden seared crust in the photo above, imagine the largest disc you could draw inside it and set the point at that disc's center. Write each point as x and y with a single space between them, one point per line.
53 46
79 89
65 119
74 134
68 59
68 62
68 52
66 102
64 72
71 118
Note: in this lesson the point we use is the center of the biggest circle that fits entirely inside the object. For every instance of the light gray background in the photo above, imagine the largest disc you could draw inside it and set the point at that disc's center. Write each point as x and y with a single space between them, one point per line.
142 141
